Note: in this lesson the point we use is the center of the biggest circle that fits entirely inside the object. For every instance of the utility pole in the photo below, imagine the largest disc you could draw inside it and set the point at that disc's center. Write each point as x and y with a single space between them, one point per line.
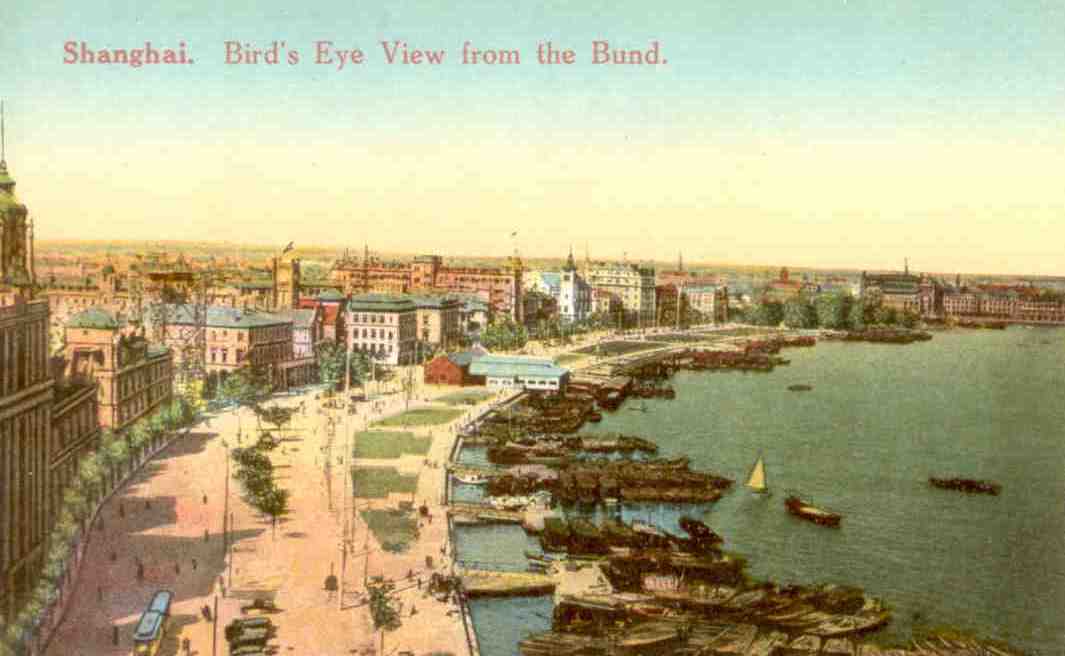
214 628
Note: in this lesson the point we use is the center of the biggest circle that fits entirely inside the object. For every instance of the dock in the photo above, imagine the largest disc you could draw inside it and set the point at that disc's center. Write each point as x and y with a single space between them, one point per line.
496 583
482 513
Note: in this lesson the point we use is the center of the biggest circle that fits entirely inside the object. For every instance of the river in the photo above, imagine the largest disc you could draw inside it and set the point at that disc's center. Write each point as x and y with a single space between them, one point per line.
879 420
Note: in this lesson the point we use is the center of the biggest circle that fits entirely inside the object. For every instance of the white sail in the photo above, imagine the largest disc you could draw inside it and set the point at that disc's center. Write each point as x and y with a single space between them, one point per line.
756 481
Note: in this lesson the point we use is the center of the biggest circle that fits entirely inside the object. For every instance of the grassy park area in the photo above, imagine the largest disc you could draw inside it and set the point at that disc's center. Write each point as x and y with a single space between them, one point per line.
466 397
420 417
389 444
379 482
395 530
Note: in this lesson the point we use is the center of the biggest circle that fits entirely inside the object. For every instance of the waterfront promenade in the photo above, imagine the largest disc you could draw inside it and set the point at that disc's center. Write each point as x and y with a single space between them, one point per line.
168 522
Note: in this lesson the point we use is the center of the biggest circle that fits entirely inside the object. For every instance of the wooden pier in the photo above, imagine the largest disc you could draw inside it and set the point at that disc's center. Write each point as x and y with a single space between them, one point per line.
482 513
496 583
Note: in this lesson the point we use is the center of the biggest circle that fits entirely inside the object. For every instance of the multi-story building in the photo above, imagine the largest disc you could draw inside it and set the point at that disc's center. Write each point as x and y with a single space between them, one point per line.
905 292
44 428
330 304
631 285
439 322
307 329
574 293
226 339
135 378
710 301
501 287
385 326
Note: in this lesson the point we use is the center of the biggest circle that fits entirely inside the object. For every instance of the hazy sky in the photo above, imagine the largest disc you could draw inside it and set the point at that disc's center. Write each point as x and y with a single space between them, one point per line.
811 133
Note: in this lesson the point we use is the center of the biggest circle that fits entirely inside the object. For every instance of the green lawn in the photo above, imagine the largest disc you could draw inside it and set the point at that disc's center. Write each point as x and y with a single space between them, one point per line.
389 444
566 358
379 482
395 530
421 417
465 397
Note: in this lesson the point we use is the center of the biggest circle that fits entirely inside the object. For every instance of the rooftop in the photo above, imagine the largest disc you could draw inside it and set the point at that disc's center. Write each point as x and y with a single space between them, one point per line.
96 318
509 365
224 317
380 303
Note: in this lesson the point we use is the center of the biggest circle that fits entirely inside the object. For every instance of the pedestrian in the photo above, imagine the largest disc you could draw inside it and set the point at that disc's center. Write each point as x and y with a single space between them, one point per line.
205 499
121 509
147 504
140 572
114 634
206 535
99 594
177 568
114 556
419 583
194 563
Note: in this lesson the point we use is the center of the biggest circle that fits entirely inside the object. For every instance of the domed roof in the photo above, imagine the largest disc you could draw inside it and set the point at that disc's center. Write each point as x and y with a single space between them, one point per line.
95 318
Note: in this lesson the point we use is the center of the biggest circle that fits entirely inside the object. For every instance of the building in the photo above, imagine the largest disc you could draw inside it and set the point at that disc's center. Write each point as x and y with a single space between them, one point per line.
383 326
710 301
439 321
135 378
631 285
501 287
225 339
454 368
307 329
285 283
44 428
905 292
333 313
538 307
514 372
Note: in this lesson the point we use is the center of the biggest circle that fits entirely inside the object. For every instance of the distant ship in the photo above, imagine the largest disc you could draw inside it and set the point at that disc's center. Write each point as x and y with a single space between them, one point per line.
803 510
966 485
756 482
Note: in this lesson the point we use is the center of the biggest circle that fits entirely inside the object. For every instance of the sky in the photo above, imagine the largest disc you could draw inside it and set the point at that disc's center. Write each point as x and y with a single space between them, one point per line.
827 133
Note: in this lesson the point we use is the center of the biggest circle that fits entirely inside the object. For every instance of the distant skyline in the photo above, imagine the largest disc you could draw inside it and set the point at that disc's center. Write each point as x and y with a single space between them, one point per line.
826 135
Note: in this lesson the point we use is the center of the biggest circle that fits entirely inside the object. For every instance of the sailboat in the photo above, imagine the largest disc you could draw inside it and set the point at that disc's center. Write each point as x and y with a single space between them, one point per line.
756 482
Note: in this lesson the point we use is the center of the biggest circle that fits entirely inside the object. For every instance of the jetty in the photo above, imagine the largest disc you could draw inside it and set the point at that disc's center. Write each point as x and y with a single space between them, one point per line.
477 582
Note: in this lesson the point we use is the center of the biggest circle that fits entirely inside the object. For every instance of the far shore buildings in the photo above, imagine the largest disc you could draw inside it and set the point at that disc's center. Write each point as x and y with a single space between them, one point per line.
628 286
571 292
500 287
46 425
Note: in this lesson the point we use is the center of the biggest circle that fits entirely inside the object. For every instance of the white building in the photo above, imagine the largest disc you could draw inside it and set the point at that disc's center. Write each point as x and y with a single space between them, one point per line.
631 285
384 326
513 372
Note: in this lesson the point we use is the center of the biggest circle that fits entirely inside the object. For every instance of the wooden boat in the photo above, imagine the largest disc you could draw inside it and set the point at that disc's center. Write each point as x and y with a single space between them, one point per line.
767 644
969 485
847 624
801 646
470 478
757 481
649 636
819 516
838 647
800 388
736 639
746 599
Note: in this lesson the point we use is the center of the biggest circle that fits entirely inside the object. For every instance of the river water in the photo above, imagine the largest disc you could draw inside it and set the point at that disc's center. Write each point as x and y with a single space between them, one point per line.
879 420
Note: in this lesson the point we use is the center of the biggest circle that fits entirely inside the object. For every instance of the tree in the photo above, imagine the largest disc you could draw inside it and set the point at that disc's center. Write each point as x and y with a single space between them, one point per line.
273 503
799 312
834 310
332 360
885 316
276 415
909 319
766 313
382 608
